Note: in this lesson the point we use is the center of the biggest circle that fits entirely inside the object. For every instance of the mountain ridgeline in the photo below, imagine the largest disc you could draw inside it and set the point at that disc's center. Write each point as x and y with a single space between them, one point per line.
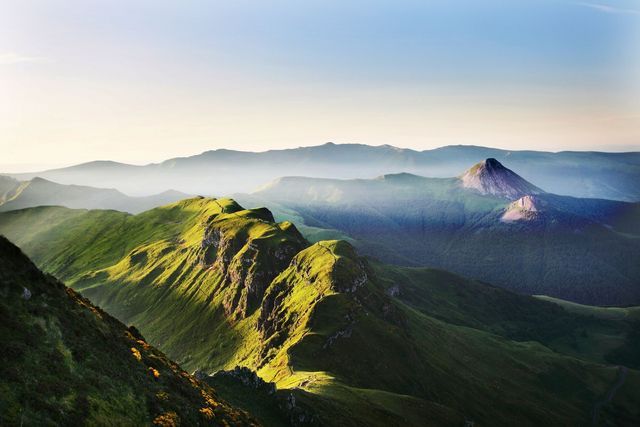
41 192
348 341
580 174
64 361
489 223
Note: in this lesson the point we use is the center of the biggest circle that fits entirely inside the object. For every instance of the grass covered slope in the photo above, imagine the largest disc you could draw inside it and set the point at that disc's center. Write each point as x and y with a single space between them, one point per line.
66 362
602 335
215 286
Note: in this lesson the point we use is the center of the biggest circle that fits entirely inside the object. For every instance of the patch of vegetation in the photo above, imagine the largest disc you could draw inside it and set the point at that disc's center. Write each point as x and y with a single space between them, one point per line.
67 362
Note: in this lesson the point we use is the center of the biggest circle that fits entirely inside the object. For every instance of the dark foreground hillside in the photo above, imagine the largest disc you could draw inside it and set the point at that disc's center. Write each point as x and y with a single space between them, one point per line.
66 362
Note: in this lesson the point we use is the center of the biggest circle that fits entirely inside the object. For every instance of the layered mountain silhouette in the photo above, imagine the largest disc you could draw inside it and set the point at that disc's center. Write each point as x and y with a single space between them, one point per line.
65 361
489 223
352 341
37 191
580 174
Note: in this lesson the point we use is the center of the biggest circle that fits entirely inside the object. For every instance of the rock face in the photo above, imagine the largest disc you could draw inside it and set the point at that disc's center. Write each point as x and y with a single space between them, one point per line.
249 257
327 277
324 268
250 390
491 177
525 208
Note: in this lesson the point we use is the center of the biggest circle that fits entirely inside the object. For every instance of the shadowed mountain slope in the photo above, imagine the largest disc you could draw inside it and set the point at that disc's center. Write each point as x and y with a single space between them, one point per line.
66 362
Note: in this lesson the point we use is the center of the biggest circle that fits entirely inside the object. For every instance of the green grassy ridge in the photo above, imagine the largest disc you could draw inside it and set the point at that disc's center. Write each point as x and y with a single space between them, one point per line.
66 362
622 350
282 213
61 243
602 335
608 313
193 286
326 326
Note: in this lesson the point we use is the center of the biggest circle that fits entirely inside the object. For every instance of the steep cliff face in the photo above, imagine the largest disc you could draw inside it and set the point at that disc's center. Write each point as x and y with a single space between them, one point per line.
249 250
491 177
322 270
231 275
323 312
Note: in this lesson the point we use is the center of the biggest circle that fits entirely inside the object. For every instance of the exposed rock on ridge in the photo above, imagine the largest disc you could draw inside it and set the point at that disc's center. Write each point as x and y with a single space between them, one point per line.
249 250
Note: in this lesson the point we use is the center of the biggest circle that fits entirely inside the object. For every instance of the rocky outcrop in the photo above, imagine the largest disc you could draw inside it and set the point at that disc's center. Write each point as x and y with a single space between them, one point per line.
394 291
345 332
248 257
247 378
291 411
324 270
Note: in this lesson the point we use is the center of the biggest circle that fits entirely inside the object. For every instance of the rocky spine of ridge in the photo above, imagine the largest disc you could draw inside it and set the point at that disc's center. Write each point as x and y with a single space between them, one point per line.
248 262
325 269
490 177
269 268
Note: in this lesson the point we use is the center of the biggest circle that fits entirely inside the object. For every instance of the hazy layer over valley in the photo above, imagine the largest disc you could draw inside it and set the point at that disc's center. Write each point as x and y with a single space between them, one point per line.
223 172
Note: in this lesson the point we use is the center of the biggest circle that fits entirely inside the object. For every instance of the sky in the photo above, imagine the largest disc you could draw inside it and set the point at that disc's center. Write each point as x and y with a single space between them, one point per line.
143 81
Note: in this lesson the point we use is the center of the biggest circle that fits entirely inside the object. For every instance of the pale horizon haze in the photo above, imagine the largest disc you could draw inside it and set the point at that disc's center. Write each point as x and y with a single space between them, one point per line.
141 82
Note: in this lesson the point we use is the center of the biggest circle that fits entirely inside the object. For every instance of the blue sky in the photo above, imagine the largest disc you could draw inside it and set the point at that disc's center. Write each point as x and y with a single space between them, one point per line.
142 81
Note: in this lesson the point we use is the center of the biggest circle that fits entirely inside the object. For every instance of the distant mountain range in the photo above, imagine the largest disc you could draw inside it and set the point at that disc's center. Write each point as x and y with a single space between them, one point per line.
489 224
613 176
347 340
65 361
41 192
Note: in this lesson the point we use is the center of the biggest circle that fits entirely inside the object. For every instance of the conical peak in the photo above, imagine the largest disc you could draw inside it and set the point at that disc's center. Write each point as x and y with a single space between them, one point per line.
492 178
492 163
525 208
